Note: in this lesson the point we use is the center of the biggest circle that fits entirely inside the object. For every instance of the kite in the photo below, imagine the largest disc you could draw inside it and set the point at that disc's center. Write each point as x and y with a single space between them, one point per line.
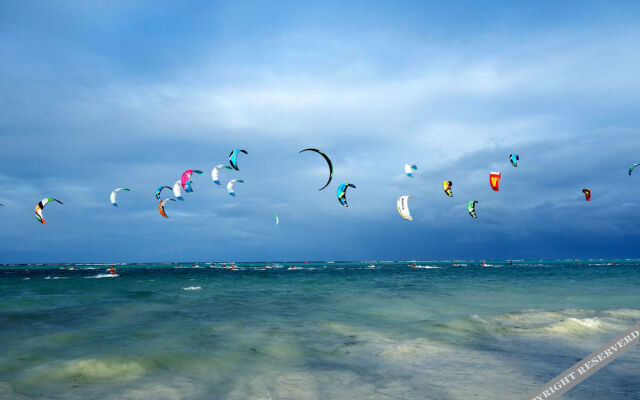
328 160
471 207
233 158
403 207
587 194
177 191
40 207
409 168
161 207
632 168
159 189
113 195
342 193
276 217
184 180
231 184
514 158
446 185
494 180
215 173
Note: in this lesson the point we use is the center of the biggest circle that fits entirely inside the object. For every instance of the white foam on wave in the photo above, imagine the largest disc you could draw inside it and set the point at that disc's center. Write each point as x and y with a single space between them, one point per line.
587 322
573 326
568 322
192 288
427 267
102 276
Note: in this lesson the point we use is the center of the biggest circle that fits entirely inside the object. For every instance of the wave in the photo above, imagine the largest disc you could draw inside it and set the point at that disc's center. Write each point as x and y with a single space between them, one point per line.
192 288
569 322
102 276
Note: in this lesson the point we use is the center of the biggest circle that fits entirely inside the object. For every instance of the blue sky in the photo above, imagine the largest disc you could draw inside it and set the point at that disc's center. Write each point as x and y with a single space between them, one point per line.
97 95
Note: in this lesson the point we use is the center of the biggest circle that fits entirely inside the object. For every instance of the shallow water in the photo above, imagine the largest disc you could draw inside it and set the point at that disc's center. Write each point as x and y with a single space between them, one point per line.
374 330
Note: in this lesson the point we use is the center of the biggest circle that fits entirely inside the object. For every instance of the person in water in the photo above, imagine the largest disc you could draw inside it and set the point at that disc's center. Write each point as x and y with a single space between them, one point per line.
112 270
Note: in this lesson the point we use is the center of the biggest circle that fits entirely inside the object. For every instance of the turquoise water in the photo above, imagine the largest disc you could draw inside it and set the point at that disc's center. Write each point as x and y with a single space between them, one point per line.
363 330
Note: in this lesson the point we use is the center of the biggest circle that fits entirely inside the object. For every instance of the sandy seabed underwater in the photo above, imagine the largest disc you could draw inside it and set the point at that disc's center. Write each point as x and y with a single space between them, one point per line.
359 330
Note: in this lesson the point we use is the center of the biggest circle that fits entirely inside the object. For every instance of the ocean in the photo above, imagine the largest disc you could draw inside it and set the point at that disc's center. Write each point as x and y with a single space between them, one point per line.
324 330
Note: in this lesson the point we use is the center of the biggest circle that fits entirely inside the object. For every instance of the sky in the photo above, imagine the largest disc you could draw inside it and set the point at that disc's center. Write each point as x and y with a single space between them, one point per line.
97 95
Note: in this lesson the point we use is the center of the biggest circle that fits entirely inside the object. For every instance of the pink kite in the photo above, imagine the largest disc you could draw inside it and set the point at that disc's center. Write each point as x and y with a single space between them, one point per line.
186 175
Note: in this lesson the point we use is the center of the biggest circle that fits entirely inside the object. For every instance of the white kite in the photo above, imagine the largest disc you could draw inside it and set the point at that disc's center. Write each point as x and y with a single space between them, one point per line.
409 168
403 207
177 190
114 194
215 173
231 184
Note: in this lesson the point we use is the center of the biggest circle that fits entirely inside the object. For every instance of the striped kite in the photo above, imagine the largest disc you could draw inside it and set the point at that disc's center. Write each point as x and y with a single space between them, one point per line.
233 158
40 207
342 193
